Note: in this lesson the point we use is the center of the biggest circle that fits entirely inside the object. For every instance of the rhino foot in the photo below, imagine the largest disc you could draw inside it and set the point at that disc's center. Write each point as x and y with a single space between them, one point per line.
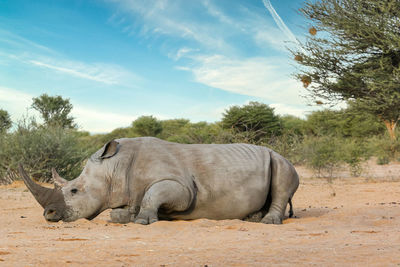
146 217
120 216
254 217
272 219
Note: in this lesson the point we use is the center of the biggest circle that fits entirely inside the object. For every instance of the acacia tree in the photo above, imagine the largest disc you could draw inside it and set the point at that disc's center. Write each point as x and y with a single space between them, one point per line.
353 53
255 118
147 126
54 110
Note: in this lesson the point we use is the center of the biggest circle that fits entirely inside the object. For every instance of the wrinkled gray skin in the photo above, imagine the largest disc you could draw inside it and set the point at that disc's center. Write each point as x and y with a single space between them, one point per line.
144 179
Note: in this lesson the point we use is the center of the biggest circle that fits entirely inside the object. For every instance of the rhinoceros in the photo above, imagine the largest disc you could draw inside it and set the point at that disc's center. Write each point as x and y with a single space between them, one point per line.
146 179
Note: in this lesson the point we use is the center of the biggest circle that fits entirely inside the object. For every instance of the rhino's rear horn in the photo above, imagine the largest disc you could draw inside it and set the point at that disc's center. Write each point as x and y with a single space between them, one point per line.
43 195
57 179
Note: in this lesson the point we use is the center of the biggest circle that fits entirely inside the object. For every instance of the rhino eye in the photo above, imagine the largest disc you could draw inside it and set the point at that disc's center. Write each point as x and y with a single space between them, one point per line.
74 191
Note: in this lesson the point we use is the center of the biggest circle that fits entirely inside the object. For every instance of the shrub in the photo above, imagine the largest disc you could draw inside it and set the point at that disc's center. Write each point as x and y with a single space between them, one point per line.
41 148
202 133
354 152
256 118
172 127
5 121
384 149
322 154
289 145
147 126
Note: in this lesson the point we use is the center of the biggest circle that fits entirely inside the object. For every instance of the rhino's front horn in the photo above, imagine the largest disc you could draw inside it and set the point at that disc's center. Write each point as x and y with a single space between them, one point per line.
45 196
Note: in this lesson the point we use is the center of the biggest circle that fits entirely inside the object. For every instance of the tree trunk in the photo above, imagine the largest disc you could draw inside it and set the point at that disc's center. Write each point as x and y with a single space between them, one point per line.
391 126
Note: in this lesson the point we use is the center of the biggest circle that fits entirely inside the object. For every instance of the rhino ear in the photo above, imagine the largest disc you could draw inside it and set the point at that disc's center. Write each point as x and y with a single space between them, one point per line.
109 150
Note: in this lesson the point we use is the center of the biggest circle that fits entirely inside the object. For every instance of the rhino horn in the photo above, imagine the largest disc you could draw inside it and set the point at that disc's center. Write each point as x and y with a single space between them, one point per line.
57 179
43 195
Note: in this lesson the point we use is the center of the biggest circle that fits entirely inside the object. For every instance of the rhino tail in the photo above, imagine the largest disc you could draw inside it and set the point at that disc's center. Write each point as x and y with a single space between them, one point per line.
290 208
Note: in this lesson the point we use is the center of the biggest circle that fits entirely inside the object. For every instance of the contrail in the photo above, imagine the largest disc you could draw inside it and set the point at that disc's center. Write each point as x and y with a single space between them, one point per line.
279 22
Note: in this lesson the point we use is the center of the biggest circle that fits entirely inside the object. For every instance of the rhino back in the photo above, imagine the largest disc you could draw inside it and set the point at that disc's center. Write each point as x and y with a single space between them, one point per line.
230 180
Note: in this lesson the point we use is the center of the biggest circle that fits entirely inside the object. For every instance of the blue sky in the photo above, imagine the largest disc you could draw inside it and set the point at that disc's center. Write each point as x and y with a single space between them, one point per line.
119 59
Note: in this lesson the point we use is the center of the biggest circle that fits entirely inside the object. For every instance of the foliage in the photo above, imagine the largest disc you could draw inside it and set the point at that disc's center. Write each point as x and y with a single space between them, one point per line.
353 153
292 125
349 122
5 121
322 154
54 110
289 145
255 118
384 149
41 148
173 127
324 141
147 126
201 133
324 122
358 58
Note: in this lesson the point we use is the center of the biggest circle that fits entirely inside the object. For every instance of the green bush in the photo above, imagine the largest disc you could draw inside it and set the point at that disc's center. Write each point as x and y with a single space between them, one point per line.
292 125
289 145
5 121
202 133
347 122
147 126
256 118
172 128
41 148
322 154
354 152
384 149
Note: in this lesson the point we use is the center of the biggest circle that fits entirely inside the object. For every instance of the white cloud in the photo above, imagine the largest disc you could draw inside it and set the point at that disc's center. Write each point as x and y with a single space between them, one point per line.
17 41
100 72
28 52
219 14
284 109
271 37
15 102
182 52
173 19
259 77
179 19
97 121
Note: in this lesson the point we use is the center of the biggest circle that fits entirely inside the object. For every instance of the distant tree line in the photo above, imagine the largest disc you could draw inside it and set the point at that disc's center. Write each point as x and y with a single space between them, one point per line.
324 140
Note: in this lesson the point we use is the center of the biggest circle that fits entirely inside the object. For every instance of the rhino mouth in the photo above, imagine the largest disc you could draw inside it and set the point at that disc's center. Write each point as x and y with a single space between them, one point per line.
52 214
94 215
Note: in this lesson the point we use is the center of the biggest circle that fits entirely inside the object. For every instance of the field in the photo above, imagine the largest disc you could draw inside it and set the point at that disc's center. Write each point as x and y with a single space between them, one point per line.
351 222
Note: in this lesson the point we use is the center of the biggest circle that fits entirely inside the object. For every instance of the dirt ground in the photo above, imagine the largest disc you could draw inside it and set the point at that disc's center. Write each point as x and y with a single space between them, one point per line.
353 221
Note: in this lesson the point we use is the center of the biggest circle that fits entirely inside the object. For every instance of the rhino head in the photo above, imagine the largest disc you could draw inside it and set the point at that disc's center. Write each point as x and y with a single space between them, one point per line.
83 197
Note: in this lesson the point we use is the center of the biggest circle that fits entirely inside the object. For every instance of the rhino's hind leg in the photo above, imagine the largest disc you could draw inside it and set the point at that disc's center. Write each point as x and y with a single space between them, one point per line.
254 217
168 195
284 183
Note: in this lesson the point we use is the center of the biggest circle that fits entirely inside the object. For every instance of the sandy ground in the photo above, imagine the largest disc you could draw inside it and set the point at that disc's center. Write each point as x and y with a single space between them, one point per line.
351 222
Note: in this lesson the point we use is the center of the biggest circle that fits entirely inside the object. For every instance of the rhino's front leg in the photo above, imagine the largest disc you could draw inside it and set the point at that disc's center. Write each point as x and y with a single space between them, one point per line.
169 195
120 215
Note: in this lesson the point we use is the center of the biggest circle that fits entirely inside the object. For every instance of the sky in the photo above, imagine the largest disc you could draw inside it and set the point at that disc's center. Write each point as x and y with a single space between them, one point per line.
117 60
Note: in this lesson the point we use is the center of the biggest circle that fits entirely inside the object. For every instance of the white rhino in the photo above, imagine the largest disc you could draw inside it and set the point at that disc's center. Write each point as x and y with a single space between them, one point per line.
144 179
